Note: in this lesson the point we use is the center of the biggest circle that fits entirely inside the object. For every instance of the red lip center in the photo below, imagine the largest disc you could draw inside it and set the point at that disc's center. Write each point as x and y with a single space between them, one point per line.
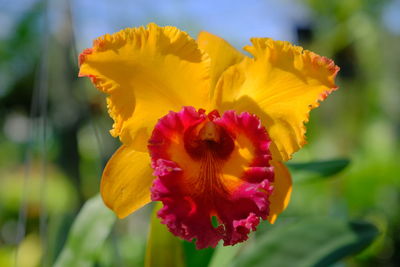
211 165
207 138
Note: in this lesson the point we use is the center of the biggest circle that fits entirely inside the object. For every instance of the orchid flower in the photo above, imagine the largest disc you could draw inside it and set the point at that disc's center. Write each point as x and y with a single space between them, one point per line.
204 128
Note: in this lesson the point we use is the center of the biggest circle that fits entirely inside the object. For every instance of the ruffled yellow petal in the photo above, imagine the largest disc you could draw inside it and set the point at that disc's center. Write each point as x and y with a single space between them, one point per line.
127 178
282 190
281 84
146 72
221 53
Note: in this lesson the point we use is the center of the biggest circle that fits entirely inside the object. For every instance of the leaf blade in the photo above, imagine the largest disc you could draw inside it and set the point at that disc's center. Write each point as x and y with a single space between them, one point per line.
195 257
317 169
309 242
163 248
223 256
88 232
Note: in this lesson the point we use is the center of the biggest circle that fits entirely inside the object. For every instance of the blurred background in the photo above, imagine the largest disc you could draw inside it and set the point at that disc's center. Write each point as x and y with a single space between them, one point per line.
54 137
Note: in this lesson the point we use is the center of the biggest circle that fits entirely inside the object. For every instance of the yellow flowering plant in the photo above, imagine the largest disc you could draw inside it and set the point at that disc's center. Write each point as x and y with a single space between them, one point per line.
204 128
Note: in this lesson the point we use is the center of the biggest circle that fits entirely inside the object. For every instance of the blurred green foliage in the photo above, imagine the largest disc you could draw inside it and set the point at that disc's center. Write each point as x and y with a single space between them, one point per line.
308 242
360 122
163 249
87 234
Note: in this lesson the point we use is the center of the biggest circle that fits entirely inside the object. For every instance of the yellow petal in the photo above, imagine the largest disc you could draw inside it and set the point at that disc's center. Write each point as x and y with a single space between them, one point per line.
221 53
146 72
282 190
281 84
127 178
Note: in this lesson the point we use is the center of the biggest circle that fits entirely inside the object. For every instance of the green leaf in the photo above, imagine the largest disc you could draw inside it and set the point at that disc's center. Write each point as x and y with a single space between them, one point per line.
317 169
195 257
309 242
224 255
88 233
163 248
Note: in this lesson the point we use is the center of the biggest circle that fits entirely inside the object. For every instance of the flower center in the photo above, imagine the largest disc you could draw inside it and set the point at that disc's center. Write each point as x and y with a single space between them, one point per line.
210 144
210 165
208 139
